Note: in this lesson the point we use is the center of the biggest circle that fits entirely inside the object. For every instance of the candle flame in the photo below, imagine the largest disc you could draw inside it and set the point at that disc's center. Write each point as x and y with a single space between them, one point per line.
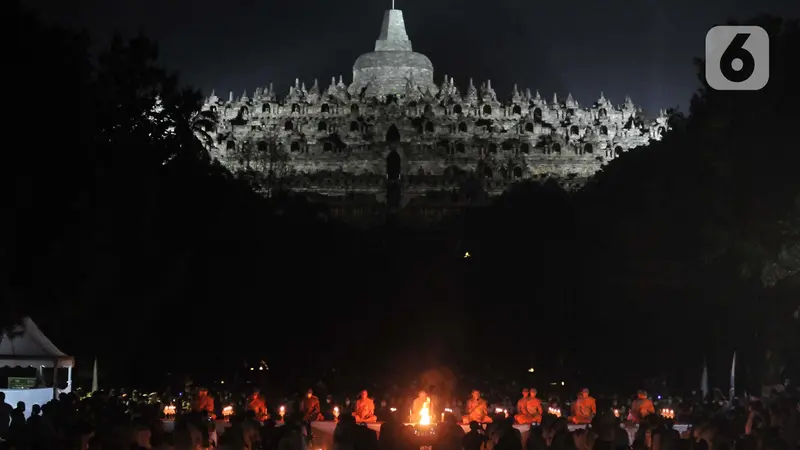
554 411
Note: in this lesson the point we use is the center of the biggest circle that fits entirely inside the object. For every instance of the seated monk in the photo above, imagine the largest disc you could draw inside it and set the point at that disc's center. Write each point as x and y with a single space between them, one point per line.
584 409
257 404
641 407
204 402
522 416
532 409
365 409
477 410
311 408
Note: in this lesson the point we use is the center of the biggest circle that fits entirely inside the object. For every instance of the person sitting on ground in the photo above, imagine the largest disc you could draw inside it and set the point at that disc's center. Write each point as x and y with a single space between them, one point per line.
584 409
365 409
477 409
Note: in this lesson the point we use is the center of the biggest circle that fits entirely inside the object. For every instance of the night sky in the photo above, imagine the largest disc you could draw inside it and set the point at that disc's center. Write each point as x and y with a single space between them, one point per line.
640 48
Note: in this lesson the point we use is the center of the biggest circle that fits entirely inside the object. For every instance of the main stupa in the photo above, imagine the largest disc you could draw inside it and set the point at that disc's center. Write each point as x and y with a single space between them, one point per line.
387 70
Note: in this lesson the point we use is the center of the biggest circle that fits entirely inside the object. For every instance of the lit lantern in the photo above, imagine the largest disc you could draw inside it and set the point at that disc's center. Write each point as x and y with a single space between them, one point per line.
227 412
282 412
616 413
336 413
505 413
169 411
390 409
667 413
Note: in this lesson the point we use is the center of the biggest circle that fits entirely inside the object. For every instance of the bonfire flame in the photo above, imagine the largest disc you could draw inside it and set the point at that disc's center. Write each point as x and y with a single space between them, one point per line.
425 413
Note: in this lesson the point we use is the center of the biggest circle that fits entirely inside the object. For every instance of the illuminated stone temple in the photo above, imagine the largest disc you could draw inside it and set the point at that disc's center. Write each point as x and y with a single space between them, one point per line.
393 139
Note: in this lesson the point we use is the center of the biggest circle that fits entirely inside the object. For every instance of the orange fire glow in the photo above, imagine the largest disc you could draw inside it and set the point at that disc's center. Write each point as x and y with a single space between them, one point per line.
425 413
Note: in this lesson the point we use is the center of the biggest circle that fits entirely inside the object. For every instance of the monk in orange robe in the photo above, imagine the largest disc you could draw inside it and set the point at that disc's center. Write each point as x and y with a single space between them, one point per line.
584 409
641 407
522 416
257 404
365 409
311 408
532 409
477 409
204 402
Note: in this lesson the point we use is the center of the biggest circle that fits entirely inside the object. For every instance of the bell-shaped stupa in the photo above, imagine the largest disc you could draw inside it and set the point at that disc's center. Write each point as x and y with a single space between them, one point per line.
386 70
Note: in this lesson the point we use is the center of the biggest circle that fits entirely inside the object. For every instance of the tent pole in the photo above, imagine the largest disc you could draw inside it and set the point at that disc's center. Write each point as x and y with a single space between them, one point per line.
55 380
69 379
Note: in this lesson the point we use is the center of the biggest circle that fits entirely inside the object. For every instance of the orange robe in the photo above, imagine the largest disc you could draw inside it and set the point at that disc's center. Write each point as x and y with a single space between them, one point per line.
365 411
583 410
534 408
477 411
311 409
522 416
257 404
204 403
641 408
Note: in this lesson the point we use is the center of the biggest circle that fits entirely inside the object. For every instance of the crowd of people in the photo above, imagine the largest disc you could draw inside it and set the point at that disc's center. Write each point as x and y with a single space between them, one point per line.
111 420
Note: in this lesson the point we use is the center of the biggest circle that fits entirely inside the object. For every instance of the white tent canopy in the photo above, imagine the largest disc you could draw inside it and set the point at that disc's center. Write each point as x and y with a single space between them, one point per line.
28 346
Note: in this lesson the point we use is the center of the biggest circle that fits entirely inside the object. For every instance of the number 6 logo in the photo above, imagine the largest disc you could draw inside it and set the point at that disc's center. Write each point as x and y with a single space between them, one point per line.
737 58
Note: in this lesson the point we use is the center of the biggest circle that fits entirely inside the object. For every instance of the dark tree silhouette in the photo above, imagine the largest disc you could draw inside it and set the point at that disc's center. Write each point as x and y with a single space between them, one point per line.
690 226
717 199
118 207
